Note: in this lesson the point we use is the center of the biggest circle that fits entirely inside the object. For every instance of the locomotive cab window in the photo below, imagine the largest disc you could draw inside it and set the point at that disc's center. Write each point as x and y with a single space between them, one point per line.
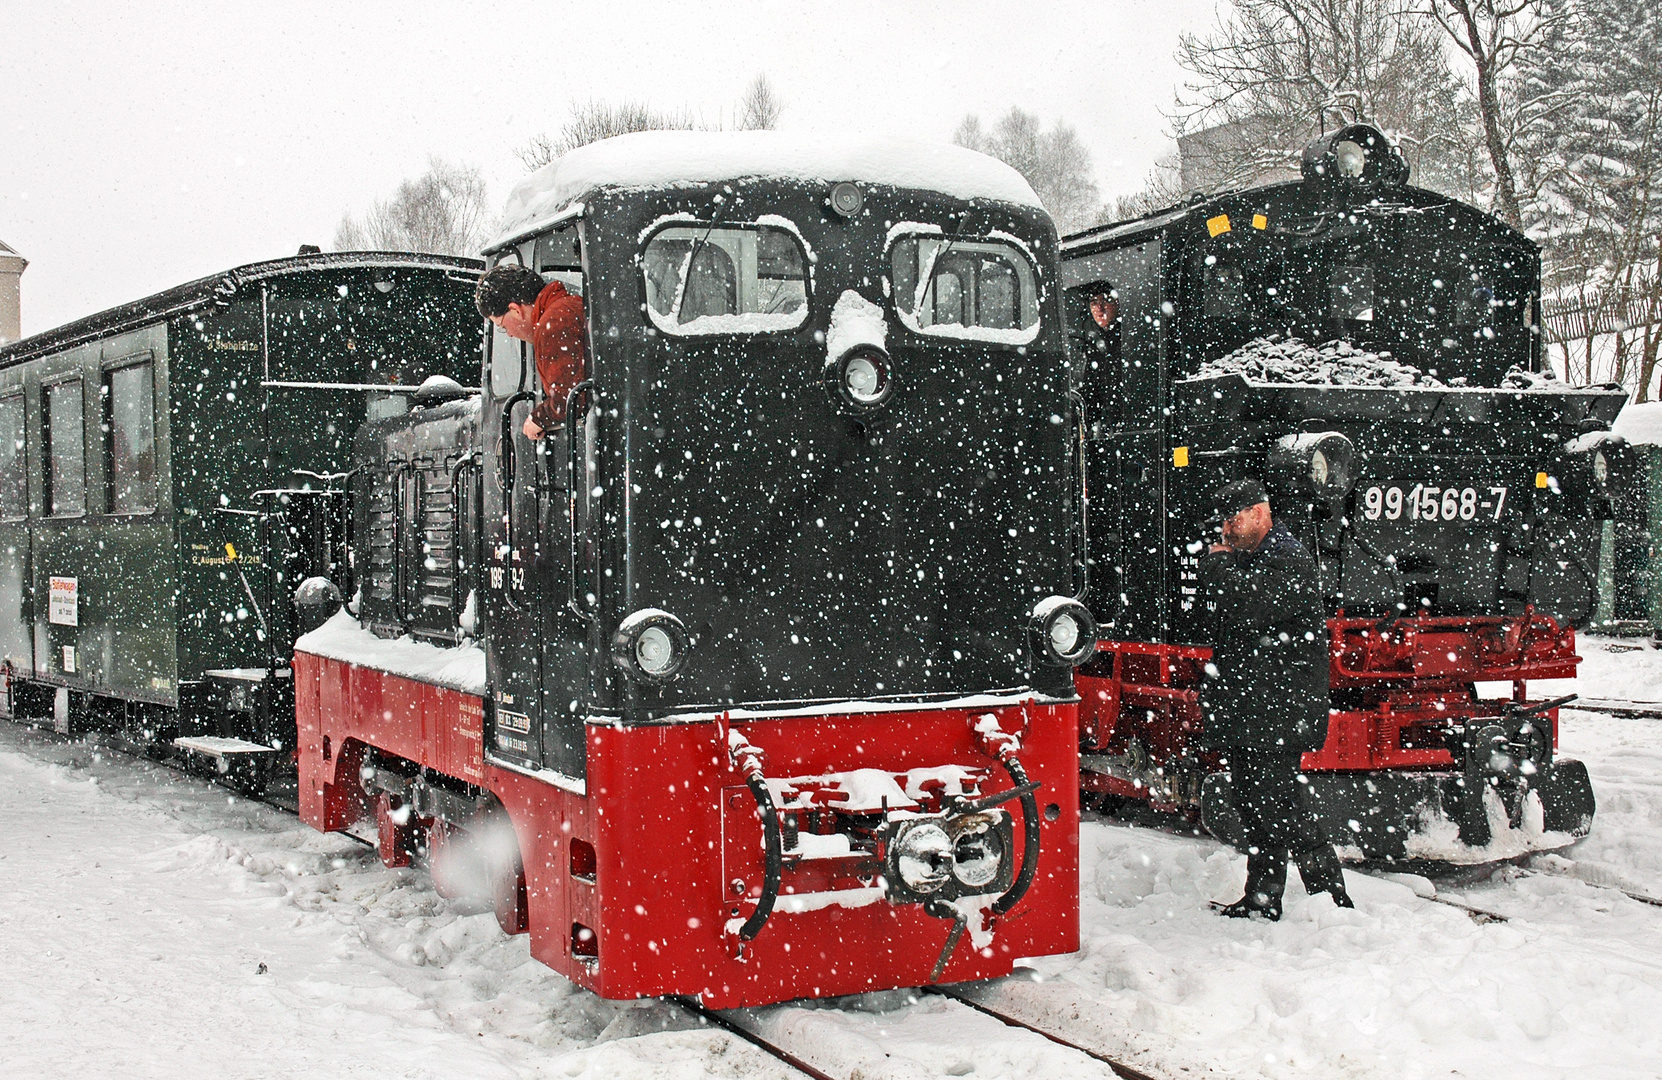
1223 294
66 450
733 279
14 471
130 437
978 289
1351 288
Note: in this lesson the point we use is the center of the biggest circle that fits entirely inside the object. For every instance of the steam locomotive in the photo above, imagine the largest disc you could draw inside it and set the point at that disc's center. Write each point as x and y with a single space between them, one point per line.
1370 352
754 679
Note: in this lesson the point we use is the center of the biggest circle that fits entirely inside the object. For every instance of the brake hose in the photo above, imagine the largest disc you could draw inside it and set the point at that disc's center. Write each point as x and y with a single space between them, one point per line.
1030 839
749 759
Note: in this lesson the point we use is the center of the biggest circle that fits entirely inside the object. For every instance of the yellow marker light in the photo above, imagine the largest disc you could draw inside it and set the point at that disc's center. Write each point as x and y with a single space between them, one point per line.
1259 221
1180 457
231 552
1219 224
1540 479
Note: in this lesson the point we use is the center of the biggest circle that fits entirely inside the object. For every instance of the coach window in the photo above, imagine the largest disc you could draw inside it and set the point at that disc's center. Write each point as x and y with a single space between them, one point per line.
976 289
14 472
130 437
740 279
66 450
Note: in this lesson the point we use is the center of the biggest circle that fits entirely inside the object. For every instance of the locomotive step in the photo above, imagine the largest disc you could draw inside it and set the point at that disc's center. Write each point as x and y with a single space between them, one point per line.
219 747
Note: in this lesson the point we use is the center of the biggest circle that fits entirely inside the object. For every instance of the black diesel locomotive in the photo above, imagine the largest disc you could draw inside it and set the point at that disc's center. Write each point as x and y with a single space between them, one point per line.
172 468
754 679
1370 352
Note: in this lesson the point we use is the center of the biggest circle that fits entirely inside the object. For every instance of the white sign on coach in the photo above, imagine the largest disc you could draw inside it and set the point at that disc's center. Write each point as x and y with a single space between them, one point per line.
63 606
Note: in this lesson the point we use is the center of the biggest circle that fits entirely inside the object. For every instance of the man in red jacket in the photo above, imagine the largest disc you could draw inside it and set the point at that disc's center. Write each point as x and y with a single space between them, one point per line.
519 303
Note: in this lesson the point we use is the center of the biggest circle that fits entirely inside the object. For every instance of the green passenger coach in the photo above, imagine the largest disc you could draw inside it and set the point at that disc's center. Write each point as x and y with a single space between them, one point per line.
172 468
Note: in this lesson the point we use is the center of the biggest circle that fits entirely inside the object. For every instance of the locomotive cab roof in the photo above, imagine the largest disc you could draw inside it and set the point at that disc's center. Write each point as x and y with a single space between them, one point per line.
672 159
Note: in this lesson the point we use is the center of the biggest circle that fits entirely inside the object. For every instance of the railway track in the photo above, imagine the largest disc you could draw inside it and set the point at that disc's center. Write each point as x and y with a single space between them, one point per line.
733 1022
1627 710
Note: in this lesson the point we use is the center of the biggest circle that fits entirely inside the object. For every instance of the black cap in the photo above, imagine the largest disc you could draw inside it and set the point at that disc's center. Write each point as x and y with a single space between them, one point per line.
1235 496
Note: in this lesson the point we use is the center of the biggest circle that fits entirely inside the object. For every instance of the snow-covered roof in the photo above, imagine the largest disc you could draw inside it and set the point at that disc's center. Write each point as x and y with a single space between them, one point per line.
660 158
1640 424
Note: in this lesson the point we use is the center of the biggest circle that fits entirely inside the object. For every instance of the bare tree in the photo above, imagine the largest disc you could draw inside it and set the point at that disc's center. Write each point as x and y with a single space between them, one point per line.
1494 34
596 120
761 107
1280 72
1163 187
1055 162
442 211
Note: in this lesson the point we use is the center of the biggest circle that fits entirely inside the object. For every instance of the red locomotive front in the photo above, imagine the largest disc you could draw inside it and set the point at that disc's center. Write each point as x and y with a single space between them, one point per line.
751 680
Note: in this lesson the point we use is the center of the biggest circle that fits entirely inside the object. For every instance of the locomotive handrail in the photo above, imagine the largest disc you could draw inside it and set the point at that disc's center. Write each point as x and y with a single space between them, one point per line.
574 445
473 501
507 467
1084 538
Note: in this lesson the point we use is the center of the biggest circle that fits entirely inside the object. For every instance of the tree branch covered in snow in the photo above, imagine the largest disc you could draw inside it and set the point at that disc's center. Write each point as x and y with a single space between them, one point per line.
1275 74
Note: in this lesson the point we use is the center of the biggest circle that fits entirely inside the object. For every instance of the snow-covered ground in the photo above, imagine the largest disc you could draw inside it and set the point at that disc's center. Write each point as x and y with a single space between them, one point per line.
153 925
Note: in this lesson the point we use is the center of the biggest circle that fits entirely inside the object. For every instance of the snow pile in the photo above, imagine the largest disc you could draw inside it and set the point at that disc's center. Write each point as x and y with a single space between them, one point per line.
1518 379
654 158
855 321
1275 359
342 638
1640 424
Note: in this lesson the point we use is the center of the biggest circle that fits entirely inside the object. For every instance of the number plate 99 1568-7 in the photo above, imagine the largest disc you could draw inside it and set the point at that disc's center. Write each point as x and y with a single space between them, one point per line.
1426 502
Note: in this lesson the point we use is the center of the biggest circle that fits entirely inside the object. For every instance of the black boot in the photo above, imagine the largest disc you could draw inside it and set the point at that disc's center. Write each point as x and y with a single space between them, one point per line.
1319 869
1266 879
1254 906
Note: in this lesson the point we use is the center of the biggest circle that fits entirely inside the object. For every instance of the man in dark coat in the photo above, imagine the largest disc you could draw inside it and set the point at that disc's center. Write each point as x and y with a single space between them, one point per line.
1264 702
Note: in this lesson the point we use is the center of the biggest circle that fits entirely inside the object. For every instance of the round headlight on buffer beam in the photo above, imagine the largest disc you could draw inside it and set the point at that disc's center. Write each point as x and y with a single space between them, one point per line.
923 857
1062 632
862 379
1317 465
978 855
651 645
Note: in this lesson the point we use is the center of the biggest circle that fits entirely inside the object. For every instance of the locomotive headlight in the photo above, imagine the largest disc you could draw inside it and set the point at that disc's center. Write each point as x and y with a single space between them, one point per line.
1063 632
1601 468
923 857
846 199
861 379
978 855
651 645
1350 158
1313 465
1318 469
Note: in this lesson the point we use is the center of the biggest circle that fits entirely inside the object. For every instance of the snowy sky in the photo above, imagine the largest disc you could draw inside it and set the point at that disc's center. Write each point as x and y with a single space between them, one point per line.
143 145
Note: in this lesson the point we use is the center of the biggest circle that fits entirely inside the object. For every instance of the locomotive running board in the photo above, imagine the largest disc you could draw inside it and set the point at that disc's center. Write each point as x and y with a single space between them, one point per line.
217 747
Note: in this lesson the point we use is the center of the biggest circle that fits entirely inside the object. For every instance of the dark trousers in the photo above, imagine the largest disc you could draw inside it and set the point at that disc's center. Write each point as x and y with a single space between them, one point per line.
1276 806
